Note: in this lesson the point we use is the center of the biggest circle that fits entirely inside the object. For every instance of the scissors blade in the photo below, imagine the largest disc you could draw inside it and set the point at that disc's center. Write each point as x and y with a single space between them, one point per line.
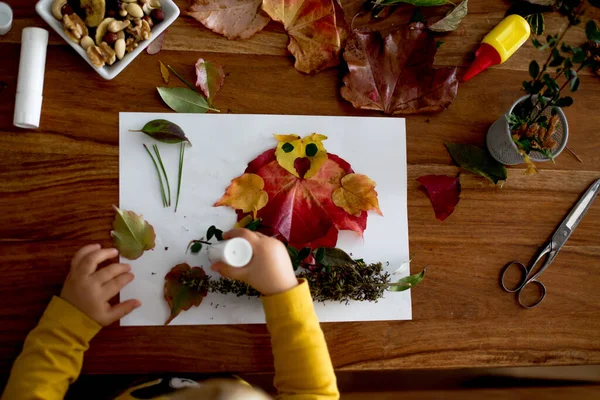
574 217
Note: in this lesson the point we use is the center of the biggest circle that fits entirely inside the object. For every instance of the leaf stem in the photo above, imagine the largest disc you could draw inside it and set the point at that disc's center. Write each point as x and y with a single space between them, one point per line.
181 154
162 187
164 173
181 79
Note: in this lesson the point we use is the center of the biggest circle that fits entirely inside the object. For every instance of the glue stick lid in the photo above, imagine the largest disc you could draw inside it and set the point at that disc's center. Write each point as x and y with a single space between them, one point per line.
508 36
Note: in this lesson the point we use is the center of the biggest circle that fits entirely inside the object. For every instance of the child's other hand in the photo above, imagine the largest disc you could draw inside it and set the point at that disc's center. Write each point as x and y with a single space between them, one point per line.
89 290
270 271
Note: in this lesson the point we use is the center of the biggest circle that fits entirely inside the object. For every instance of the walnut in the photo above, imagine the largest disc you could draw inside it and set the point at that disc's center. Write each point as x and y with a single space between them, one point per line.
95 55
74 27
141 30
130 44
109 54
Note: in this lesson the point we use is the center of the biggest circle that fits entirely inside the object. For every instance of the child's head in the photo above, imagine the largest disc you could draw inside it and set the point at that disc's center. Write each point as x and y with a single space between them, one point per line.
220 389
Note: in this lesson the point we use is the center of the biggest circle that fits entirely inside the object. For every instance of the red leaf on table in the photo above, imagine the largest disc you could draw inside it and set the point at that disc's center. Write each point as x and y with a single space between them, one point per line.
313 31
231 18
395 73
302 210
156 45
209 78
183 289
444 193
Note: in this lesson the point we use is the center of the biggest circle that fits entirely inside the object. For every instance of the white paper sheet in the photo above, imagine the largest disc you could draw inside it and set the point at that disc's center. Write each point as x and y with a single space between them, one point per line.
222 147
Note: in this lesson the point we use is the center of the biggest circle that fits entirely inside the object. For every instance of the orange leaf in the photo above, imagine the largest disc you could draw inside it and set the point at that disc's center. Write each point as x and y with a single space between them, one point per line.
311 25
356 194
245 193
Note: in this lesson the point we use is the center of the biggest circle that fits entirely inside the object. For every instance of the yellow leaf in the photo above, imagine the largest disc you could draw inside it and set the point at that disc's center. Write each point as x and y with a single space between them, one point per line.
164 71
356 194
245 193
292 147
244 221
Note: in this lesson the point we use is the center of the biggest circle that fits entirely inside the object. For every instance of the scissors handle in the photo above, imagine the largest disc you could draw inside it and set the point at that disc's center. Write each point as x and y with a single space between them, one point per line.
538 300
524 271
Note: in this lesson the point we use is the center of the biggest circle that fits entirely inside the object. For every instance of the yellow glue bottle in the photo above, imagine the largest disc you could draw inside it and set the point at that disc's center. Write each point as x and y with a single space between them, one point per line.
498 45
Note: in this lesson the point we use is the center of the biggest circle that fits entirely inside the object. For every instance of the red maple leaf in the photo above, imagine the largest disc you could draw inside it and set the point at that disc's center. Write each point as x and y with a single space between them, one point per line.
301 210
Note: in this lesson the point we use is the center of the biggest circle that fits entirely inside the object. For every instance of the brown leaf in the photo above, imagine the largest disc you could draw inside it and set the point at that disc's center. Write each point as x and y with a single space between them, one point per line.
313 31
184 289
231 18
395 73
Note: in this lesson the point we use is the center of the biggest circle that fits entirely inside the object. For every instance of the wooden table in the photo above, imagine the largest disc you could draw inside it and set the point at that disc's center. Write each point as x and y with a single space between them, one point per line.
57 184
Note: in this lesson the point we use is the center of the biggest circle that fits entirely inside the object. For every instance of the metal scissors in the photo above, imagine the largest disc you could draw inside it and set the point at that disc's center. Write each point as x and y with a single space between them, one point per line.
550 250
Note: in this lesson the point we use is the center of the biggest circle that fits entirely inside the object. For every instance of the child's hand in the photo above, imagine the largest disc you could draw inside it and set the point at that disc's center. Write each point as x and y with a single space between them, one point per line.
89 290
270 271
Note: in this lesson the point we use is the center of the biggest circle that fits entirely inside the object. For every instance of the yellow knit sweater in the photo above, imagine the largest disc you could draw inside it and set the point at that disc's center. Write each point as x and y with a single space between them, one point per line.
52 355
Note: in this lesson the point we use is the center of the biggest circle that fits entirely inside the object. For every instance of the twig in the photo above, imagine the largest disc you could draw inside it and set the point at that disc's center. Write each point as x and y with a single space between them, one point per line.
164 173
181 153
162 187
573 154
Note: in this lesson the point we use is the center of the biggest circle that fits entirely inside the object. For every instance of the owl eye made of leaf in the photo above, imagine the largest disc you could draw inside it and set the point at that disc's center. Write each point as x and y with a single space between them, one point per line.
292 149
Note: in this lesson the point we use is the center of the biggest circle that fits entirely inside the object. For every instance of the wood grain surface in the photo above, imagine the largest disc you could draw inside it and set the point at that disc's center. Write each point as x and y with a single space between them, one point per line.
57 184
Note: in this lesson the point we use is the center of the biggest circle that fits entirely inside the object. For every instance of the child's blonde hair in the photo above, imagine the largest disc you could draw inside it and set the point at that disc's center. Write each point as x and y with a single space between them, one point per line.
220 389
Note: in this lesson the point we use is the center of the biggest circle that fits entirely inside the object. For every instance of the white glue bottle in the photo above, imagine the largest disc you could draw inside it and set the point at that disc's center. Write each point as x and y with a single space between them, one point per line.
30 84
236 252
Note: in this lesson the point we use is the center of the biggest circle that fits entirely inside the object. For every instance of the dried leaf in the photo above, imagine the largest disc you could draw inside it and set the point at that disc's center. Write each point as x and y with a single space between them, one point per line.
164 131
444 193
311 26
164 72
156 45
245 193
403 267
232 18
407 283
356 194
478 161
131 234
301 210
209 78
292 148
184 100
184 289
332 257
451 21
418 3
395 74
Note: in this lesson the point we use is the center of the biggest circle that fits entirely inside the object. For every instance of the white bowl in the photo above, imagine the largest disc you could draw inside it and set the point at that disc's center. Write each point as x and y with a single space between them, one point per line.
108 72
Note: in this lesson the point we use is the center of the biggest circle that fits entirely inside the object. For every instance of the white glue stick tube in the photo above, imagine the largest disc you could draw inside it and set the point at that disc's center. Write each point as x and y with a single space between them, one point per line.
236 252
30 84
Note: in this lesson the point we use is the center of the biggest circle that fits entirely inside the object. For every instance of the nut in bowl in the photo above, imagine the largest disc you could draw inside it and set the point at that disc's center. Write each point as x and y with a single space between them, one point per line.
108 34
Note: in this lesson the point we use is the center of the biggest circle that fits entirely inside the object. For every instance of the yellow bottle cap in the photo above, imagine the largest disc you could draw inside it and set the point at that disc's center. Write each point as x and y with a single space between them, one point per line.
508 36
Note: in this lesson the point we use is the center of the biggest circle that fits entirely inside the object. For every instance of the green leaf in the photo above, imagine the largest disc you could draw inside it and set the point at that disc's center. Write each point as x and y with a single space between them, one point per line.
451 21
579 55
209 78
591 31
293 253
536 43
564 102
164 131
210 232
478 161
418 3
534 69
311 149
438 44
254 225
319 254
574 85
287 147
196 247
334 257
557 59
537 23
305 252
417 16
407 283
131 234
184 100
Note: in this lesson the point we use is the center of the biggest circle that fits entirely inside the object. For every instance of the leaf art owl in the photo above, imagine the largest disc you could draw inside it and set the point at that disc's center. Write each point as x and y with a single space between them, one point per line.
302 194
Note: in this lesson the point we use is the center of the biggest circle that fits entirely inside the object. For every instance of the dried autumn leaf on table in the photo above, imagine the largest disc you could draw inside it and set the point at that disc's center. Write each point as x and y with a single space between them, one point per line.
312 28
451 21
184 289
131 234
356 194
395 74
444 193
477 160
164 72
231 18
156 45
245 193
209 78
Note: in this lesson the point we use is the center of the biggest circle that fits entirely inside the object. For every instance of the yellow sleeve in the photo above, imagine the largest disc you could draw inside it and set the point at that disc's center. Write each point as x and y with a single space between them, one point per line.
303 368
52 354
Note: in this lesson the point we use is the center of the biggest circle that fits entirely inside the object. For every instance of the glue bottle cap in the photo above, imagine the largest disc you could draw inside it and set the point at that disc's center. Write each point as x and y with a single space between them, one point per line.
6 18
